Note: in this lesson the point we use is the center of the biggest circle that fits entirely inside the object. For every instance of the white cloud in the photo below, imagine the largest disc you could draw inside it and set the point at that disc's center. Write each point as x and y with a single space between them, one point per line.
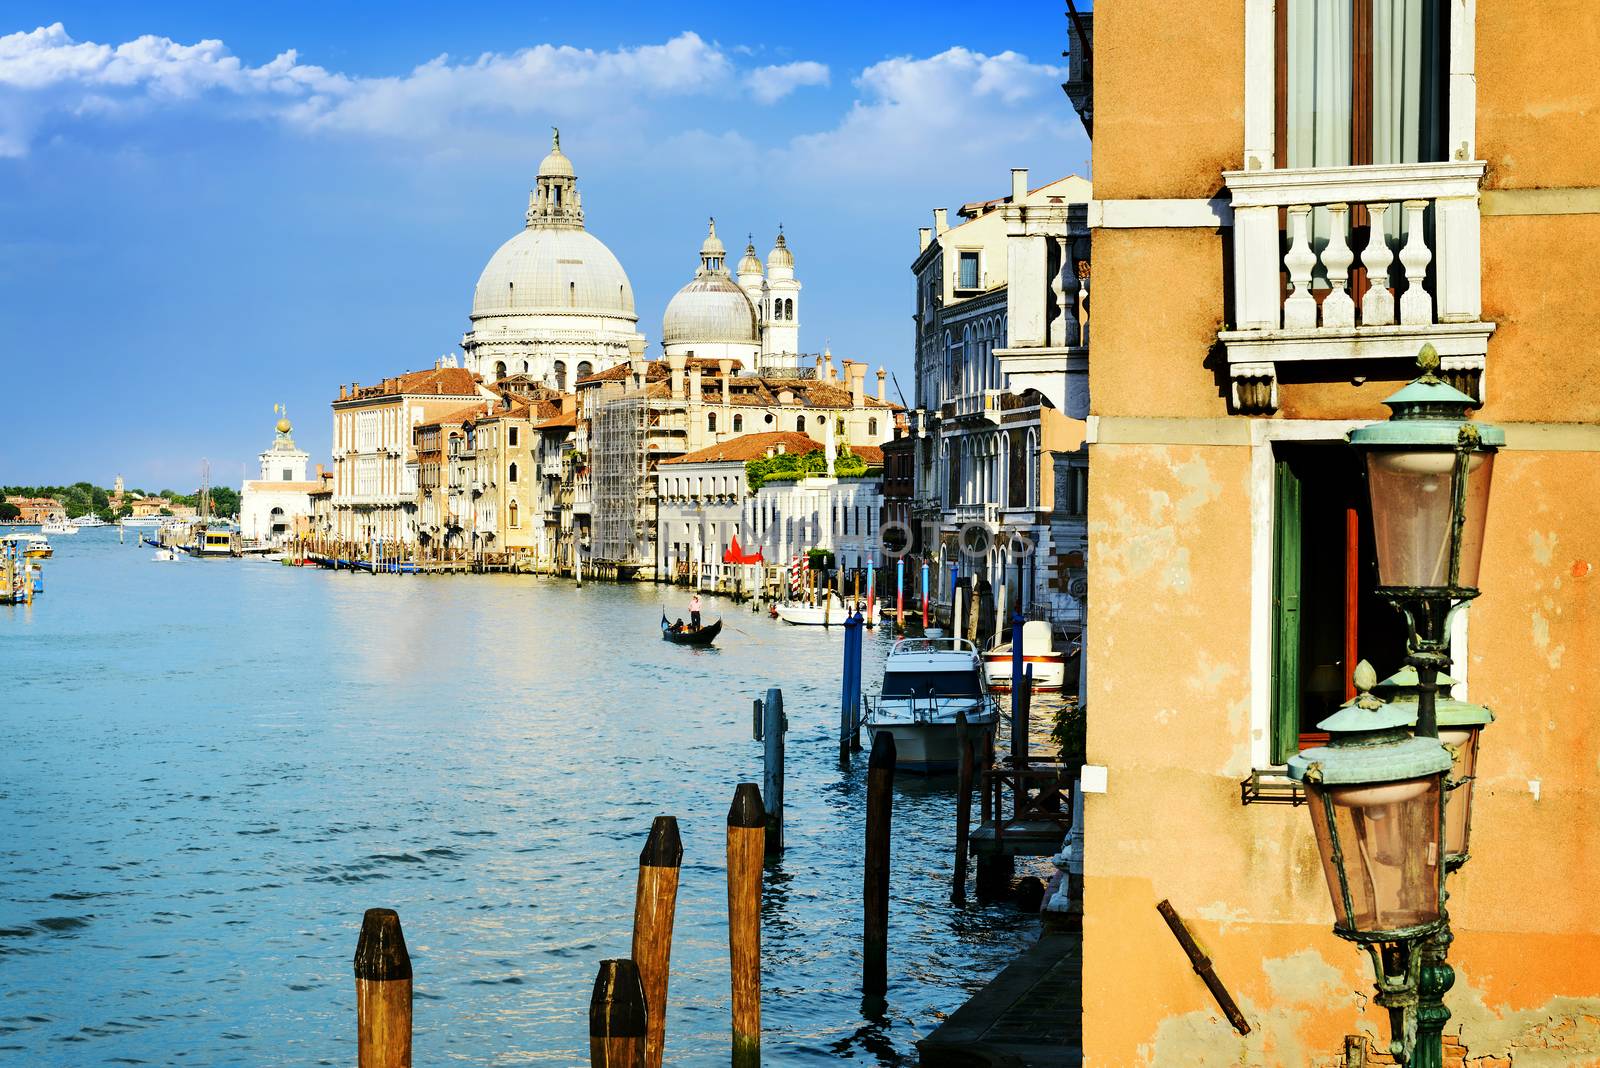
771 84
953 115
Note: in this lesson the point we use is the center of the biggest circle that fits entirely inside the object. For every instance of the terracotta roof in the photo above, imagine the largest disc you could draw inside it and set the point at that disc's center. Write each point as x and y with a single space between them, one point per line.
457 417
756 446
568 419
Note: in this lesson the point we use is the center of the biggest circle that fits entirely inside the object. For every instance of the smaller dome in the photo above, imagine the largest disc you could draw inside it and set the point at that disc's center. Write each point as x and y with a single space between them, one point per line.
283 426
780 256
750 264
711 308
556 164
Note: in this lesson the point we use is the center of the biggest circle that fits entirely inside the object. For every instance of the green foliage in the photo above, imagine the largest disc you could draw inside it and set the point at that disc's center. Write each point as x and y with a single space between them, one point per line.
224 500
9 511
125 511
1069 732
792 466
165 511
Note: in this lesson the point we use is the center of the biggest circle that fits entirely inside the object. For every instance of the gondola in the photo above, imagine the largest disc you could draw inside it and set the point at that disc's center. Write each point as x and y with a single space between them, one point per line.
704 636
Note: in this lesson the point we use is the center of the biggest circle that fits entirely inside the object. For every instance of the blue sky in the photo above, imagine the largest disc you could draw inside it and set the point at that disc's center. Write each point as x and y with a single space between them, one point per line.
206 209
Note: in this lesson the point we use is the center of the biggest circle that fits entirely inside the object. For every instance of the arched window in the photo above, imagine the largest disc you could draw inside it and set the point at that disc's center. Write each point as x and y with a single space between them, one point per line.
499 369
585 369
738 423
512 511
788 309
511 473
711 422
799 422
872 426
572 294
561 375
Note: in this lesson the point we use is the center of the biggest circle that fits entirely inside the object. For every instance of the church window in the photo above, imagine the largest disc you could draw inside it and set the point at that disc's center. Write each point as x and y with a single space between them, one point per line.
872 426
288 475
572 294
499 370
585 369
561 375
788 309
511 436
799 422
511 473
738 423
770 418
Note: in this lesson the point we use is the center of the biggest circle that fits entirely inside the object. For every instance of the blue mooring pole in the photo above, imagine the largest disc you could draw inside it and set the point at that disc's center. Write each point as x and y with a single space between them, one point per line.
1016 667
855 689
851 686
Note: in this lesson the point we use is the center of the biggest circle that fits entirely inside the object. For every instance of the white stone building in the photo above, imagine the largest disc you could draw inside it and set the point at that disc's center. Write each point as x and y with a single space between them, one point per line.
274 506
553 302
754 321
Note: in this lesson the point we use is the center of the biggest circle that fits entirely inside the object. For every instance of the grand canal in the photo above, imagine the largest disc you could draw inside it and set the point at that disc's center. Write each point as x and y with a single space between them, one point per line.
211 768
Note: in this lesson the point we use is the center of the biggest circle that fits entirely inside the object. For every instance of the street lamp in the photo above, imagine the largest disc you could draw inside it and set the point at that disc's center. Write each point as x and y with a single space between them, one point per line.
1376 795
1461 724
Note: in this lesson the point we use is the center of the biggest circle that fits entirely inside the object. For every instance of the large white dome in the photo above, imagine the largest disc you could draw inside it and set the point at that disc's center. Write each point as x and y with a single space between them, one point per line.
709 309
564 271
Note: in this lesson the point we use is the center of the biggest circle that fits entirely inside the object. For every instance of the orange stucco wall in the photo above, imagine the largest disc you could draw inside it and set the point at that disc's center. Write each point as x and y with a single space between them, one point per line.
1170 679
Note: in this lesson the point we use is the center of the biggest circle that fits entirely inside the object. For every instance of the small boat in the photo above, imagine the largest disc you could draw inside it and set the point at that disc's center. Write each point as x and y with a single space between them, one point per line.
89 521
212 544
926 682
828 611
58 527
140 522
704 636
166 555
1038 651
32 546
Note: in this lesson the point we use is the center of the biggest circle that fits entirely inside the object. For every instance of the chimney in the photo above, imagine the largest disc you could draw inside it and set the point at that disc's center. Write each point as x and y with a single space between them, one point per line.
941 220
855 375
675 362
829 374
819 369
924 238
1019 184
343 391
883 376
785 396
725 369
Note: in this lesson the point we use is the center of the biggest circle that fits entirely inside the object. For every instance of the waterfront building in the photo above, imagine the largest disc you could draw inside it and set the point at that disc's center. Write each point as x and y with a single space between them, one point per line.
556 461
788 517
277 505
553 303
438 444
374 455
36 510
754 321
633 417
1271 252
1001 342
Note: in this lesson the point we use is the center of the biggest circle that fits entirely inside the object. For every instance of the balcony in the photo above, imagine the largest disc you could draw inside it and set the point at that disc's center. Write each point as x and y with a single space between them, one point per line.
1412 229
984 404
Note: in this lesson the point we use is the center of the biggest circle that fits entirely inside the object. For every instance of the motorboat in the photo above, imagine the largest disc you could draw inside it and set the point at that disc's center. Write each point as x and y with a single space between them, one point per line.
212 544
926 682
32 546
58 526
830 610
140 522
89 521
686 635
167 556
1039 652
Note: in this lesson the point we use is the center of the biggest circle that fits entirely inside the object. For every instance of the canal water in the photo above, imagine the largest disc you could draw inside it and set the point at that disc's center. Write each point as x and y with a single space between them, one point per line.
209 769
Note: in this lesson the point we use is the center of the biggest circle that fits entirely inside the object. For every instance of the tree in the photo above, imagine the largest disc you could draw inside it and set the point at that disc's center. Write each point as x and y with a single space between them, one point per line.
125 511
224 500
9 511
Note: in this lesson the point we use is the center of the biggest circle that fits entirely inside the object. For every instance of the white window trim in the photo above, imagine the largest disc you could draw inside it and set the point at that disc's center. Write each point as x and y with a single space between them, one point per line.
1260 82
1263 434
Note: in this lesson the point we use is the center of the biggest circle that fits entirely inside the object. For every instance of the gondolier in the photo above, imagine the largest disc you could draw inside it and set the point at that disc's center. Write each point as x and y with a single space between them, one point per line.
694 612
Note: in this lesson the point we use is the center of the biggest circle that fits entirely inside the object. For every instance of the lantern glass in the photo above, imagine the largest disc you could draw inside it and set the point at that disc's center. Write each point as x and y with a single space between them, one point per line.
1387 836
1463 745
1413 510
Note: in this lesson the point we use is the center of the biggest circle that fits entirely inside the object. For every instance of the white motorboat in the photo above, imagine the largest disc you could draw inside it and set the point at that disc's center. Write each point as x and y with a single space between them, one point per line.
1038 652
926 681
140 522
58 527
167 556
89 521
31 546
828 611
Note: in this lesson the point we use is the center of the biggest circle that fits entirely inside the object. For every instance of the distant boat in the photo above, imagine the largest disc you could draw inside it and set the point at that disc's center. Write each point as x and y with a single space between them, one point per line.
1038 651
141 521
89 521
704 636
166 556
57 526
212 544
32 546
828 611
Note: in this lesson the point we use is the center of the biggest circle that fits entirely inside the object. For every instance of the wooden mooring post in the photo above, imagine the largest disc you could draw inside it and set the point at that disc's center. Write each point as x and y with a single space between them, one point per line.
875 879
746 832
617 1023
383 992
655 905
770 727
958 887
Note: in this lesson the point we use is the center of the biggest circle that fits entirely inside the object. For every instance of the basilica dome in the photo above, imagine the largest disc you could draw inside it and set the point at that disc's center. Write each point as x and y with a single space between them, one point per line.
561 271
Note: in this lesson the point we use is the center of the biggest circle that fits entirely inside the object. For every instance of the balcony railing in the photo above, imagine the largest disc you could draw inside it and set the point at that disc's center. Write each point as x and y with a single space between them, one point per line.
984 403
1408 232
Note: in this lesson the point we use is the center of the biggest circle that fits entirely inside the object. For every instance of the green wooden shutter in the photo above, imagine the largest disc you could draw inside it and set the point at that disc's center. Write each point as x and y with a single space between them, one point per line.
1285 613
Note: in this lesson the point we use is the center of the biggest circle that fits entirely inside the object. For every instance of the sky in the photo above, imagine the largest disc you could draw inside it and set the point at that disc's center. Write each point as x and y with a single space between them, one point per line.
208 209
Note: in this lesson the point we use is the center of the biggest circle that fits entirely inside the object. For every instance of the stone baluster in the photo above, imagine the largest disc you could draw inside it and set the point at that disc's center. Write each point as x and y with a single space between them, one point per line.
1337 307
1416 303
1066 323
1083 303
1300 310
1377 306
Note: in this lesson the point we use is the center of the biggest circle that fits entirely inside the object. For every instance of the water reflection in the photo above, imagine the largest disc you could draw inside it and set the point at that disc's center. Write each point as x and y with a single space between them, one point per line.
212 768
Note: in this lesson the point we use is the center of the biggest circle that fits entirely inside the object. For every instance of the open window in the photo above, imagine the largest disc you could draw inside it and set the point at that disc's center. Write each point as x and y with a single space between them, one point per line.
1326 616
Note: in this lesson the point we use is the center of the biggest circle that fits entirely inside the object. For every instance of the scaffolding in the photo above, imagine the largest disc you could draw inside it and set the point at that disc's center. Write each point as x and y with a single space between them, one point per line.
617 445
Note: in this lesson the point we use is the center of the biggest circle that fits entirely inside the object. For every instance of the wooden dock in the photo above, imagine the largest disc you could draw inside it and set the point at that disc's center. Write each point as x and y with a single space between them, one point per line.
1029 1016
